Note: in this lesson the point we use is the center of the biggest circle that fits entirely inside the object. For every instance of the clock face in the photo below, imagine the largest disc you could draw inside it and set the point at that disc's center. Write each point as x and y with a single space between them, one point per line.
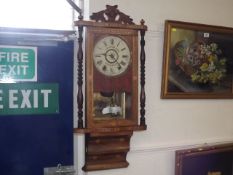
111 56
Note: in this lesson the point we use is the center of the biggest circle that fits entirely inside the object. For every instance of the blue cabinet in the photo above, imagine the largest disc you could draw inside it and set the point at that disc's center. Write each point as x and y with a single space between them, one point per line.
29 143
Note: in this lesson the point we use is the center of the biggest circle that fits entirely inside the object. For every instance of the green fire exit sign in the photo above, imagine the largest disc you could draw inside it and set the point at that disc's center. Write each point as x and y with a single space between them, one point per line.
29 98
18 63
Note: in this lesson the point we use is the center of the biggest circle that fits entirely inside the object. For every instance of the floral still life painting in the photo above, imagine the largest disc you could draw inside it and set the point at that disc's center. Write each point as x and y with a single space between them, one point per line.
197 61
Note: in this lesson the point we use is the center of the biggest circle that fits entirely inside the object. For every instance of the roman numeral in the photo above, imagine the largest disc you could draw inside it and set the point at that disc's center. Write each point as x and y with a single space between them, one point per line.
123 63
99 62
112 70
112 41
105 43
125 56
104 68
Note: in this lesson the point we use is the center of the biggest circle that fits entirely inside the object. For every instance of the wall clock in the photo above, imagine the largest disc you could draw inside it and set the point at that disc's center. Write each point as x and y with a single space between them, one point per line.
111 86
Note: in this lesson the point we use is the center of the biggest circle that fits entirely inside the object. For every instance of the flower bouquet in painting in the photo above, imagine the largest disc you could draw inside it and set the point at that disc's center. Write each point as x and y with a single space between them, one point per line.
202 62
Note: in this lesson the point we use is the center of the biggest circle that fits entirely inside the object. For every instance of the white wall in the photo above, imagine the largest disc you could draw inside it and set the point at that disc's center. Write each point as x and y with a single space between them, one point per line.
172 124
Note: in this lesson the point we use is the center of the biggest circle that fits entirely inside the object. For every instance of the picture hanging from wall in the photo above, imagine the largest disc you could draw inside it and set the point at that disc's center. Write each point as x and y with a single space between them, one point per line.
198 61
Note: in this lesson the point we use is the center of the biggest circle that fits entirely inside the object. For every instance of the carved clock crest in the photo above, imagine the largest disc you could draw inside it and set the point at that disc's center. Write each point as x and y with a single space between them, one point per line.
111 86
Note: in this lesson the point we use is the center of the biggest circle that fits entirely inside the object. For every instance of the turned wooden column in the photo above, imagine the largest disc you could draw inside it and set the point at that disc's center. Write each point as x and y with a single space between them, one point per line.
80 78
142 77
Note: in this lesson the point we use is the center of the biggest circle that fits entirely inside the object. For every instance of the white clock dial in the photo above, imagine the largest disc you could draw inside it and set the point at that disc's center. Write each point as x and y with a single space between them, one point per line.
111 56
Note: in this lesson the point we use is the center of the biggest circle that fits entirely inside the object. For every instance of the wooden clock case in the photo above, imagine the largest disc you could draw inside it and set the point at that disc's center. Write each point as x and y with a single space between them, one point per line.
107 142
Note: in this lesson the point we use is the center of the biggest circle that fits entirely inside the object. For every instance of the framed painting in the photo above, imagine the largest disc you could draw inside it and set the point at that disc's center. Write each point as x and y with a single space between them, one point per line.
198 61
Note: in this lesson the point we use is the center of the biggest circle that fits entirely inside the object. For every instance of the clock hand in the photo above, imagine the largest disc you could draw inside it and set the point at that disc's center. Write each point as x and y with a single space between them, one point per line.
111 55
104 54
119 65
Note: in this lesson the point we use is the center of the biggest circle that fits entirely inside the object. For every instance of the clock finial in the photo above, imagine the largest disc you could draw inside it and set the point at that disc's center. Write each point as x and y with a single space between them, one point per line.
142 22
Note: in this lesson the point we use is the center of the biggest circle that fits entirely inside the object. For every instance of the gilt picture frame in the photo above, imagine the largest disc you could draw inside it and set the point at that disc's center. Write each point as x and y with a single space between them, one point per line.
197 61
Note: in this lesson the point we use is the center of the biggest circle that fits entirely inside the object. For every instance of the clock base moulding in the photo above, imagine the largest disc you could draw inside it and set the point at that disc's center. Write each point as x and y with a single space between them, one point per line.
107 148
